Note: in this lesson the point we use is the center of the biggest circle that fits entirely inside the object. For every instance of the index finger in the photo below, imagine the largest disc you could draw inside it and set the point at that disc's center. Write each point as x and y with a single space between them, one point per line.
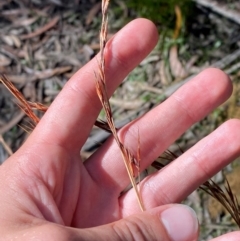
71 116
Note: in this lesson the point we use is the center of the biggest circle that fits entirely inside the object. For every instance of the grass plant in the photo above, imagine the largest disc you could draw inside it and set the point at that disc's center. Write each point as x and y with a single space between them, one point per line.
132 164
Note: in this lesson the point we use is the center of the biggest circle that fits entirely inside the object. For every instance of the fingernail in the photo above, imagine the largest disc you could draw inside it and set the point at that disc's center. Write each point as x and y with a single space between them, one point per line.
180 222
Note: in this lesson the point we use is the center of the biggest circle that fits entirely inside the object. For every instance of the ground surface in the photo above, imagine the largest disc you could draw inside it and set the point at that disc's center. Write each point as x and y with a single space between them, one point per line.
43 44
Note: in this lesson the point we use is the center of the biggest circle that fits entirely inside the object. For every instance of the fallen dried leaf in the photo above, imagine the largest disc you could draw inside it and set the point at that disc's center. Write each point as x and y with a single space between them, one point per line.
176 66
162 72
41 30
25 22
129 105
4 60
12 40
92 13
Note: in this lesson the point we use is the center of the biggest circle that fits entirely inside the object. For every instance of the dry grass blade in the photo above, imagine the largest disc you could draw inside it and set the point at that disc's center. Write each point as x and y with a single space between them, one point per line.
99 123
227 199
103 125
130 162
38 106
43 108
23 103
138 161
157 165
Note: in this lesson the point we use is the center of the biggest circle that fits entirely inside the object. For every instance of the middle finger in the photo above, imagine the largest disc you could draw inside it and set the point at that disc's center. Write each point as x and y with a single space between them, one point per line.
160 127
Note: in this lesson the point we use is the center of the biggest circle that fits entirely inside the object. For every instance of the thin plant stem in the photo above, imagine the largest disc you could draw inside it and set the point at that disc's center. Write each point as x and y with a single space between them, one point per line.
23 103
101 90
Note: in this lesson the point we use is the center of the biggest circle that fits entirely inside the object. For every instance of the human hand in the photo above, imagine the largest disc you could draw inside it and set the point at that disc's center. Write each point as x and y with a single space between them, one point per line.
47 193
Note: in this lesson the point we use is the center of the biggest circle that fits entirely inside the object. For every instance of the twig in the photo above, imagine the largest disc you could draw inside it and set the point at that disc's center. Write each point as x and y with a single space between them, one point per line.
39 75
215 7
41 30
221 64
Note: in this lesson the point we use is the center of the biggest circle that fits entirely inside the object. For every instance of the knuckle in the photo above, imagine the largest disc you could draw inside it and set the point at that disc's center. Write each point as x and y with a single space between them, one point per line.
134 229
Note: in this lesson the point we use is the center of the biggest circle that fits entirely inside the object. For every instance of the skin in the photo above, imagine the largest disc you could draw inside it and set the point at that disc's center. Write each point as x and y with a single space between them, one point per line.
47 193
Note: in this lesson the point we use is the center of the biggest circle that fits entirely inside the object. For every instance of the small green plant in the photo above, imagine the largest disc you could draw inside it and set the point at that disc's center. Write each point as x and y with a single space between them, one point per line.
160 11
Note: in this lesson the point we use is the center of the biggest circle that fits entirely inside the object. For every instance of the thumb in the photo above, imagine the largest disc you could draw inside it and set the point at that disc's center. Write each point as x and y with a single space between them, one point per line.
166 223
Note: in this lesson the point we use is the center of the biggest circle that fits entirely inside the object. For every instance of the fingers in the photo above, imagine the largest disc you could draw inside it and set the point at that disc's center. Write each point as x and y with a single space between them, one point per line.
168 223
161 127
73 113
177 180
